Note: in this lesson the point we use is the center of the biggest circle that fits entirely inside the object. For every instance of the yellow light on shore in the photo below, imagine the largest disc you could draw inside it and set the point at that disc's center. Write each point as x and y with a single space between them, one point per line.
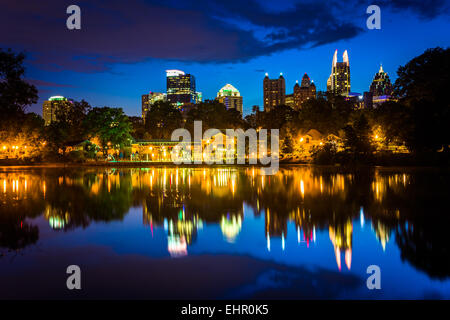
301 139
4 147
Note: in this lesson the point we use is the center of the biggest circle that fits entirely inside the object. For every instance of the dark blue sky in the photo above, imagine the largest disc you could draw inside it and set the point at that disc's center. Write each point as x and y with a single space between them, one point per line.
124 47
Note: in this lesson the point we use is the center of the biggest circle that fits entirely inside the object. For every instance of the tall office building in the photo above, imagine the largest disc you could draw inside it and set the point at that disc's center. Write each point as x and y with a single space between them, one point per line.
381 88
381 84
274 92
230 97
149 99
339 81
181 88
52 106
303 92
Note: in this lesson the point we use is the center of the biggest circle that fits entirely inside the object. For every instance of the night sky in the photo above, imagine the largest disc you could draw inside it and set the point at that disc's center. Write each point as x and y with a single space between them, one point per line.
124 47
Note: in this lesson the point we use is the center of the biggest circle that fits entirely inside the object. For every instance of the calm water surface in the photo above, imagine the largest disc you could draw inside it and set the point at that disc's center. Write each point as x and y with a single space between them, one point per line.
161 233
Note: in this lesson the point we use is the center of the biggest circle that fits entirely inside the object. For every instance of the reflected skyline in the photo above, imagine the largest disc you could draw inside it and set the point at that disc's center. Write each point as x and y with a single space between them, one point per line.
296 207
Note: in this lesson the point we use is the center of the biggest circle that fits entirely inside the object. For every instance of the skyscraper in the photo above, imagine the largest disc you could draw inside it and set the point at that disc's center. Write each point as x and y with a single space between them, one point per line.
150 99
180 88
274 92
339 81
51 106
303 92
230 97
381 88
381 84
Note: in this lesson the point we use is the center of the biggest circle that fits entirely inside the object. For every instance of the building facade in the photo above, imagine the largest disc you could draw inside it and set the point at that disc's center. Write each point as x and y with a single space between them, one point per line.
51 107
181 88
380 90
274 92
303 92
149 99
381 84
339 80
231 98
289 101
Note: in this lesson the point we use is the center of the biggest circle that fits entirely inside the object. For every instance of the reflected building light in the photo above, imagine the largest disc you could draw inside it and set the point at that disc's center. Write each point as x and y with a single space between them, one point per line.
231 228
282 241
166 225
56 222
302 188
361 216
298 235
314 234
4 186
268 241
337 253
177 246
348 258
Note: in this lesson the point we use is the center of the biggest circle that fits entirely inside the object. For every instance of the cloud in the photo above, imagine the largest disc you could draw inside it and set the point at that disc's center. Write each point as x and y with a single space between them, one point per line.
42 83
424 9
203 31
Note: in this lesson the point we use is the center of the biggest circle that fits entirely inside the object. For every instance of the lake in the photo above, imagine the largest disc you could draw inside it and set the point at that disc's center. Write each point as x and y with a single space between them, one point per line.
224 233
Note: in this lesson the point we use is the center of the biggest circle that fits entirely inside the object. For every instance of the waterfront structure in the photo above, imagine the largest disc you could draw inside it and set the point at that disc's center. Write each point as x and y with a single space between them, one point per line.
181 88
51 106
339 80
149 99
230 97
303 92
274 92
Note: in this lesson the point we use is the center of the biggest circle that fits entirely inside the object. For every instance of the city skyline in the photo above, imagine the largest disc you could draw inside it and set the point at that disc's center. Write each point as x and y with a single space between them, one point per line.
82 70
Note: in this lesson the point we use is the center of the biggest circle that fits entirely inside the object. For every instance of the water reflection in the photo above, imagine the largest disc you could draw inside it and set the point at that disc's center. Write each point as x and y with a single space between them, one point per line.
408 206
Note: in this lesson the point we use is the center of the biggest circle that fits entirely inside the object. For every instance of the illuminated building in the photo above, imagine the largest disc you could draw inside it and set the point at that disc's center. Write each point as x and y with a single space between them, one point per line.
181 88
51 107
149 99
289 101
381 84
198 97
274 92
230 97
303 92
339 81
381 88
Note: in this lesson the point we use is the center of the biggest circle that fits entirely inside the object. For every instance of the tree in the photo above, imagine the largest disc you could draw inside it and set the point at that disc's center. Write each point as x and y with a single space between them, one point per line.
110 125
15 93
422 86
69 126
357 138
162 119
288 147
214 114
138 126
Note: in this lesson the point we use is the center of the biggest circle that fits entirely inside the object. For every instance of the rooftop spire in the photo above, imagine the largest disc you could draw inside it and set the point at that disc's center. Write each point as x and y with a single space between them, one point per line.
345 57
335 58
